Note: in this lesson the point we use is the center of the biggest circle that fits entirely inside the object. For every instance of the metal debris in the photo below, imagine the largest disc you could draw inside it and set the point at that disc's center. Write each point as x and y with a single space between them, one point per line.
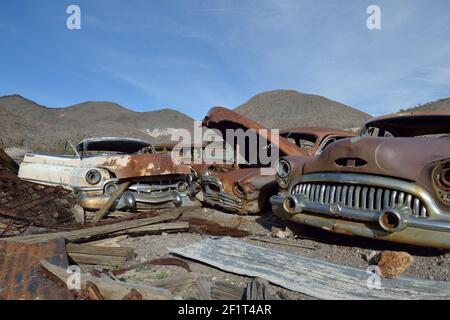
33 203
20 275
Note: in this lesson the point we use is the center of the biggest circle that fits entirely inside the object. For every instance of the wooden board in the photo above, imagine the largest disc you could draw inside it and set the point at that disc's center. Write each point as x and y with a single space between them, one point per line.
86 233
312 277
88 254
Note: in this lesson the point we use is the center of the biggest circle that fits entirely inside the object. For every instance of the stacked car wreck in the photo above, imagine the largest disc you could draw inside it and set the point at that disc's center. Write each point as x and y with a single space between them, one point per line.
392 182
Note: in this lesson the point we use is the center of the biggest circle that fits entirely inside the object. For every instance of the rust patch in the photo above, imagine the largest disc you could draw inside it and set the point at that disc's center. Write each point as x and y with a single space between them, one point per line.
20 275
144 165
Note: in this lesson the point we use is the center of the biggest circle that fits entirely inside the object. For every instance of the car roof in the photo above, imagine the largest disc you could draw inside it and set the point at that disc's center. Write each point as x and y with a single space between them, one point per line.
410 123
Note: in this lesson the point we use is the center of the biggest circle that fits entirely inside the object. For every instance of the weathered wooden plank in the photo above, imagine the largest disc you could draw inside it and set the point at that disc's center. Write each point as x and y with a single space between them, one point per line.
258 289
83 259
176 283
312 277
157 228
81 234
124 252
108 288
221 290
101 213
204 288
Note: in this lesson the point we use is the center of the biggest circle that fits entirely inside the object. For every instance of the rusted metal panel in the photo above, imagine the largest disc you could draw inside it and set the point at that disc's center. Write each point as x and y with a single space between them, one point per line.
20 275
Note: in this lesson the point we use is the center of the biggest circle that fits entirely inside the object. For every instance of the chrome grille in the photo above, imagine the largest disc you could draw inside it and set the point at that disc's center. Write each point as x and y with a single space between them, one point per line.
360 196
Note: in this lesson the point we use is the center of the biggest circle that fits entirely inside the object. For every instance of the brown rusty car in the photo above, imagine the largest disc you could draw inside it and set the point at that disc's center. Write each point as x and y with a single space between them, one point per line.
392 182
241 188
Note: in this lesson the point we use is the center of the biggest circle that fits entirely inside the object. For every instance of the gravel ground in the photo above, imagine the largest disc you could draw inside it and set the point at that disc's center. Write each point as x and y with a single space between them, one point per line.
345 250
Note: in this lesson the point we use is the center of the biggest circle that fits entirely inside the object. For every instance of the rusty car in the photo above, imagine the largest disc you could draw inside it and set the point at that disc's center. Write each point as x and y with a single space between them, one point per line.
98 166
240 187
391 182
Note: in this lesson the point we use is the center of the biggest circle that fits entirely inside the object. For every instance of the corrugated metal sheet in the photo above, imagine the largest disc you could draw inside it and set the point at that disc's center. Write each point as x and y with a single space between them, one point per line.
20 275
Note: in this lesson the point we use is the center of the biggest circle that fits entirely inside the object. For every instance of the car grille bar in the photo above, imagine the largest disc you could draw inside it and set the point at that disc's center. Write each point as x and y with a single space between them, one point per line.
360 196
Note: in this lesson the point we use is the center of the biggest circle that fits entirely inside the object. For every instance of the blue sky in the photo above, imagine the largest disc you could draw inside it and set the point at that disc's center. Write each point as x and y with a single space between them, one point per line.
192 55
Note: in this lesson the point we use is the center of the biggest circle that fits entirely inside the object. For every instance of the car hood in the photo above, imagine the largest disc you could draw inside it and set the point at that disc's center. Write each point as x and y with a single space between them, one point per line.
133 166
403 158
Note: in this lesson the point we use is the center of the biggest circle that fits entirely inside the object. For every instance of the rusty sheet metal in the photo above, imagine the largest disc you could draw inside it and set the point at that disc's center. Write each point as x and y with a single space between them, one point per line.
31 202
20 275
143 165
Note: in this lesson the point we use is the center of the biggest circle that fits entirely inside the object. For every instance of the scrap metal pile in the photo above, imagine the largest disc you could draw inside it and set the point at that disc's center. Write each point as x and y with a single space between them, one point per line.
29 204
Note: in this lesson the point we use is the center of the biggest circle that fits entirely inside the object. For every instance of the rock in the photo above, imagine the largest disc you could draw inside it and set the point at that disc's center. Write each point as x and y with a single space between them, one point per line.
278 233
78 213
371 256
393 263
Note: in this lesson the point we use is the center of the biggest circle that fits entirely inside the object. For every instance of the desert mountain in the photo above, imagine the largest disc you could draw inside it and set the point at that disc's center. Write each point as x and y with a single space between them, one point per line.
27 124
441 104
288 108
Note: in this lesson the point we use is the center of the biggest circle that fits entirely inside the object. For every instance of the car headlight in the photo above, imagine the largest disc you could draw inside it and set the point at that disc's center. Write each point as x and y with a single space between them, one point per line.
93 176
238 190
441 181
283 169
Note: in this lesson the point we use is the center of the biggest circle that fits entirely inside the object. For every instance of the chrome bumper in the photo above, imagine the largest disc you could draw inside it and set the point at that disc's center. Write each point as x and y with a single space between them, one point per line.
341 219
336 210
129 200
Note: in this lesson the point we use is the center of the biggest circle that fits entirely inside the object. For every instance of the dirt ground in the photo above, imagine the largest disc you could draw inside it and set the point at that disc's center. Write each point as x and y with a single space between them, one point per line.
345 250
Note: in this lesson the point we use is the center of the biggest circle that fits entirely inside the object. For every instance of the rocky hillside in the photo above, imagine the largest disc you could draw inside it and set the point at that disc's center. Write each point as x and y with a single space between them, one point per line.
289 108
24 123
441 104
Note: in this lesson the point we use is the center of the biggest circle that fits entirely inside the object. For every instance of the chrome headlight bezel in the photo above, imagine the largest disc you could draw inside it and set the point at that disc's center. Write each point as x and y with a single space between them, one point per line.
283 169
93 176
441 182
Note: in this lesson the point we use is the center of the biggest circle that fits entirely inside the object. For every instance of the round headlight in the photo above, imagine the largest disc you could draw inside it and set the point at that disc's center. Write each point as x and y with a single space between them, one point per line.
283 169
93 176
238 190
444 177
110 188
